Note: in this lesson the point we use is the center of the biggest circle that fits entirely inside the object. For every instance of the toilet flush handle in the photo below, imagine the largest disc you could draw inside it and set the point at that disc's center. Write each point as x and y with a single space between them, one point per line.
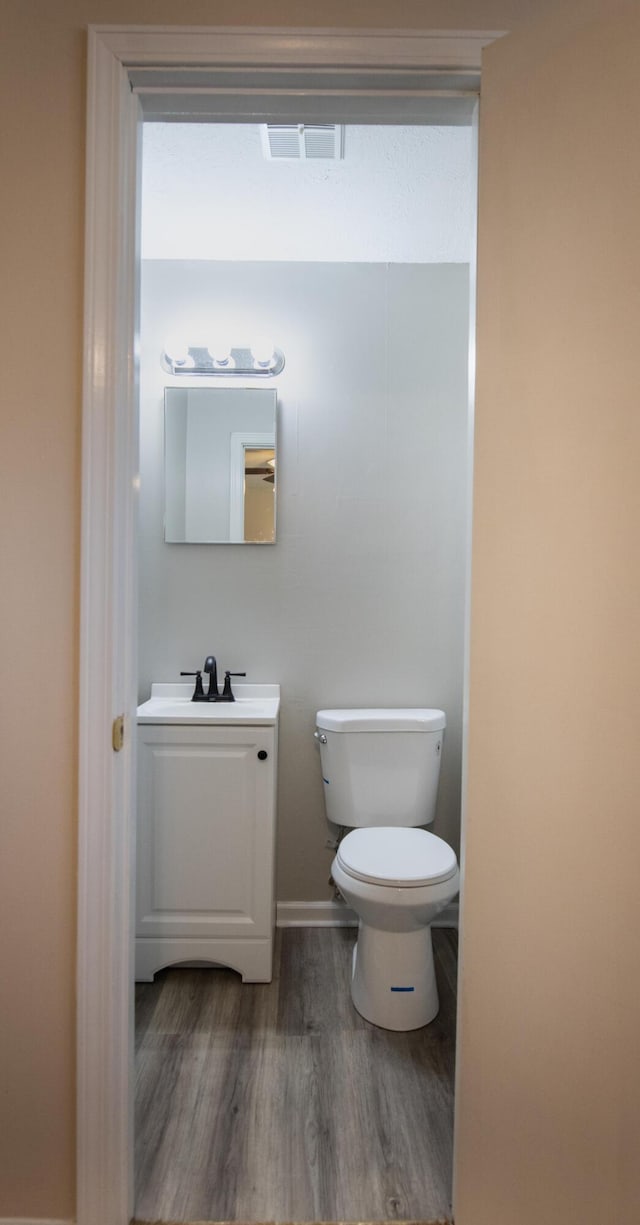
320 737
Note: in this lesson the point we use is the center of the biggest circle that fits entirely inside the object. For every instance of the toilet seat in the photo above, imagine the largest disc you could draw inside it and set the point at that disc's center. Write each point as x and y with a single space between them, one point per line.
392 855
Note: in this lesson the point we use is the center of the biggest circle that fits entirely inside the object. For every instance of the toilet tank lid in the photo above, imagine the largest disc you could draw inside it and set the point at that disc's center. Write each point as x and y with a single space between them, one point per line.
382 720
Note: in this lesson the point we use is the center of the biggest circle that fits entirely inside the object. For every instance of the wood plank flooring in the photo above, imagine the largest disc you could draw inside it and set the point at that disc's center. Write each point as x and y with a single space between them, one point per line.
278 1102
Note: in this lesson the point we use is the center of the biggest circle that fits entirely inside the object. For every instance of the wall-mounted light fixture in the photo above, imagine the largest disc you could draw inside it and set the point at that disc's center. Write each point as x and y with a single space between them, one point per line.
248 362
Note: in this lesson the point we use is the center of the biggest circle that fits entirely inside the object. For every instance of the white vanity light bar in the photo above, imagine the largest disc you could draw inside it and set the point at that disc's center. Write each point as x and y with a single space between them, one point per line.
242 362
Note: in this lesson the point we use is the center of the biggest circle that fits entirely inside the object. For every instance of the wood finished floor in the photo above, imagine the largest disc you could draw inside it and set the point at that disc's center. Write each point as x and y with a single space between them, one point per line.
278 1102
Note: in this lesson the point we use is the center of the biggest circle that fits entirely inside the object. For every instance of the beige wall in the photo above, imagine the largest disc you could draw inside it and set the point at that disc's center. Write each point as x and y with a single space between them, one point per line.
42 107
549 1048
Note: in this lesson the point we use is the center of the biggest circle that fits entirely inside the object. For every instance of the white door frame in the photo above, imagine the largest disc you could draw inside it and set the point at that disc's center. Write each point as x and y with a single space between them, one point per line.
108 576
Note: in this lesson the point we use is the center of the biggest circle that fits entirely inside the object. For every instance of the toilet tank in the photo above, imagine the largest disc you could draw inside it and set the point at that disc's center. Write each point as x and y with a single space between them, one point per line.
380 767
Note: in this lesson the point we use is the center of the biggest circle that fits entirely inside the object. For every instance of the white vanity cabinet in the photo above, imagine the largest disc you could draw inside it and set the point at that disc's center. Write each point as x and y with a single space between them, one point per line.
205 837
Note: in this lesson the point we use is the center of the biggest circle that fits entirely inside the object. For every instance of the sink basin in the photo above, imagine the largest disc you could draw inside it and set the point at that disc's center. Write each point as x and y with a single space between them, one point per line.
171 703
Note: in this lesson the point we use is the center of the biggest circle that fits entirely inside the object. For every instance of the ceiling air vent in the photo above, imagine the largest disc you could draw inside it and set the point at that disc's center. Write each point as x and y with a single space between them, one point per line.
296 142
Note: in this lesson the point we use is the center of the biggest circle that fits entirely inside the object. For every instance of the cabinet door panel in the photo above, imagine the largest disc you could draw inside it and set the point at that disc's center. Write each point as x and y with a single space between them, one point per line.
202 835
205 831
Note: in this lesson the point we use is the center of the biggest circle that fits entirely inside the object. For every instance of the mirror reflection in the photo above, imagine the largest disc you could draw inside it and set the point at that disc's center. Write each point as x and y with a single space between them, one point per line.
219 465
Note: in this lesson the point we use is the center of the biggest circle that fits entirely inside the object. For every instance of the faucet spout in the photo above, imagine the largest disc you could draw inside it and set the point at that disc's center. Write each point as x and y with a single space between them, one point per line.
211 667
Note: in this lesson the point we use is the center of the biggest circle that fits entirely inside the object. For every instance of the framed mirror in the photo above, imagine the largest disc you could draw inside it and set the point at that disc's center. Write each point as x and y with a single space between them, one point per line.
219 465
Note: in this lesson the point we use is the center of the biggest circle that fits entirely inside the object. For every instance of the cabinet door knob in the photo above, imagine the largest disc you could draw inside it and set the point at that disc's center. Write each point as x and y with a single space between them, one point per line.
262 754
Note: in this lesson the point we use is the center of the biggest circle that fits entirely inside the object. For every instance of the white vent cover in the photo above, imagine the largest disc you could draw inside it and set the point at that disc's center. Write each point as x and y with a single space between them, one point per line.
297 142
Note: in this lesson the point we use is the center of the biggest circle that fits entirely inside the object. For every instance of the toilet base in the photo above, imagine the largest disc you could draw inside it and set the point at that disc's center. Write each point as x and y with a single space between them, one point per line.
393 982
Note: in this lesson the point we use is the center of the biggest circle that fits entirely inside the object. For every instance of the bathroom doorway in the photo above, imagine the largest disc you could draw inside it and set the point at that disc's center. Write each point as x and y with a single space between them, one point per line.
354 264
101 1049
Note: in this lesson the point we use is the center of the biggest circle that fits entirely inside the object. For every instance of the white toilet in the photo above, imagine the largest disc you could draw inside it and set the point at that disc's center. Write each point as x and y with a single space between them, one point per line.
380 770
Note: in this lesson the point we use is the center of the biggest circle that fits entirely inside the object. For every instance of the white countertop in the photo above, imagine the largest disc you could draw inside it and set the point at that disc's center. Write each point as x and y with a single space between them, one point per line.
171 703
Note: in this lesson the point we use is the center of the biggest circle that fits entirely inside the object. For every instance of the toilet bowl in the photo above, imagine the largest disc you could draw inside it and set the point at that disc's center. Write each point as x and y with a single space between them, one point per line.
396 876
397 881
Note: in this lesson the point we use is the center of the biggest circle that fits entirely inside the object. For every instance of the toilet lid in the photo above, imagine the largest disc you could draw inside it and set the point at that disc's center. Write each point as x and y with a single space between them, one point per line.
387 855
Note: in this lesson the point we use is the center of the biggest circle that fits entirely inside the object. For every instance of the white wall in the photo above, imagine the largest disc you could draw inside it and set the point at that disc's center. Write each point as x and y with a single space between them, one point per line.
402 194
360 602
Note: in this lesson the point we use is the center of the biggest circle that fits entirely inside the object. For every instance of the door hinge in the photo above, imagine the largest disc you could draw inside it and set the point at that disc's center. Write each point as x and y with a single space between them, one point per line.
117 733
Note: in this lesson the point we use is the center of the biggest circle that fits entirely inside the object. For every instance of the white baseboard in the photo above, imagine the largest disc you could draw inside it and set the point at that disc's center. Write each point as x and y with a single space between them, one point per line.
314 914
338 914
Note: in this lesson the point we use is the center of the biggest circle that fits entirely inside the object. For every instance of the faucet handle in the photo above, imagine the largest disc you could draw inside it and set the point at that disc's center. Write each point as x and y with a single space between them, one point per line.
227 694
198 692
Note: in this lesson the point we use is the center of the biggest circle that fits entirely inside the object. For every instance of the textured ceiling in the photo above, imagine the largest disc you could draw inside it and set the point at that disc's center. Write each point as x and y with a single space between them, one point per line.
400 195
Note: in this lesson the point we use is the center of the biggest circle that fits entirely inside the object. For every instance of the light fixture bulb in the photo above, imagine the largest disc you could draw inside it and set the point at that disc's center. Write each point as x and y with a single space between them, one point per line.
177 349
220 350
262 350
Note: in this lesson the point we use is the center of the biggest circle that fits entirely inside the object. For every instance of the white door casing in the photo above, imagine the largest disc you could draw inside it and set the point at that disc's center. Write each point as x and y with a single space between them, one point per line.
107 648
110 465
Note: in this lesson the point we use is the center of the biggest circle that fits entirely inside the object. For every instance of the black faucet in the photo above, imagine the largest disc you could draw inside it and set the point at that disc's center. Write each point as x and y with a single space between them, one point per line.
212 694
211 667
